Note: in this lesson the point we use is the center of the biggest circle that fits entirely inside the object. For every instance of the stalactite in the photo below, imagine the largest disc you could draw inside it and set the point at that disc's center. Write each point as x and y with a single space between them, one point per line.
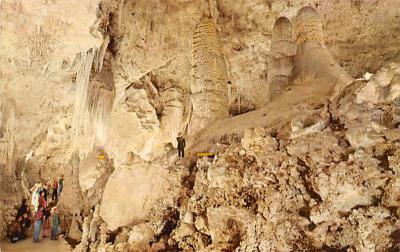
94 97
80 125
209 91
100 100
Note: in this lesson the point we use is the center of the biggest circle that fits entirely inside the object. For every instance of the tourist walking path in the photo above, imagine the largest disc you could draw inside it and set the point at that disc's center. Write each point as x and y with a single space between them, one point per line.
45 245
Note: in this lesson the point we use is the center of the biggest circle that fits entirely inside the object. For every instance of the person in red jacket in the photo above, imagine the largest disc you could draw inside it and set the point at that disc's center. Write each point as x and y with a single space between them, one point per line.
42 200
55 189
38 224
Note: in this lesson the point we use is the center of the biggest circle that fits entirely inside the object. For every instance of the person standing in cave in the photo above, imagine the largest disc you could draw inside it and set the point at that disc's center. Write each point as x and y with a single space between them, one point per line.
46 222
22 209
38 224
60 184
55 223
54 196
46 190
17 230
181 145
42 200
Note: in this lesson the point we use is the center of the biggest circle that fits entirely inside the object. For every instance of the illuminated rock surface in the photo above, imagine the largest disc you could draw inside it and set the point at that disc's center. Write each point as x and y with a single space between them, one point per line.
307 153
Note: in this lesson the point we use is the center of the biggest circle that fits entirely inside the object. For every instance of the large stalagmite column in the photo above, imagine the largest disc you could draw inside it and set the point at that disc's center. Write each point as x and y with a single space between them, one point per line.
171 121
280 65
313 61
209 92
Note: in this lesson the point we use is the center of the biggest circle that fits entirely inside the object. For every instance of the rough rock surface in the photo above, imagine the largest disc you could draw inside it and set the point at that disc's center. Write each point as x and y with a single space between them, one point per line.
130 193
98 90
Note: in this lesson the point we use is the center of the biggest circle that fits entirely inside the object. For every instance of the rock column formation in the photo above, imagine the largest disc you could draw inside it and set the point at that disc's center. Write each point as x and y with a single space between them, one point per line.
8 190
209 91
282 52
171 121
313 61
7 131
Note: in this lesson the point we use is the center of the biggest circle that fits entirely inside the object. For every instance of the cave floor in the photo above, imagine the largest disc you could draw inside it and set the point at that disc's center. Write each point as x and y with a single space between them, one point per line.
45 245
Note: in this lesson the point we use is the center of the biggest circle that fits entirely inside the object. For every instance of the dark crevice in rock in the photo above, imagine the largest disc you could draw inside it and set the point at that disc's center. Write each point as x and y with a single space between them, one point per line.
384 159
394 211
250 198
113 235
170 219
73 243
305 211
304 176
395 241
327 248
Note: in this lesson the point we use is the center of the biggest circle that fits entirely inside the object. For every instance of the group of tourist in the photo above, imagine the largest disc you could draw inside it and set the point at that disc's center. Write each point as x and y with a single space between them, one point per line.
45 217
53 188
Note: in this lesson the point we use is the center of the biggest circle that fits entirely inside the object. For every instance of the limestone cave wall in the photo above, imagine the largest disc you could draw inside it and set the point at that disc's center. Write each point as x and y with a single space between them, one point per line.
307 149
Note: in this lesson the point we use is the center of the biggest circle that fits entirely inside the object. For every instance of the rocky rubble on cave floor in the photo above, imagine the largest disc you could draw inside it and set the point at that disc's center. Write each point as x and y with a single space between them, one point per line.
327 180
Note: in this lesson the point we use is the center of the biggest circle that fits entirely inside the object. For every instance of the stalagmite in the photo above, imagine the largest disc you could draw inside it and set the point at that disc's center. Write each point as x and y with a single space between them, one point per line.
103 234
83 246
282 52
171 121
313 61
94 225
209 91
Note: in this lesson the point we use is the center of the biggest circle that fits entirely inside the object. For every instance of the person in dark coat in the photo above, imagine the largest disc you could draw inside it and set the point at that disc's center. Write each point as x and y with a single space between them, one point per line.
17 230
181 145
22 209
55 190
45 192
46 222
26 221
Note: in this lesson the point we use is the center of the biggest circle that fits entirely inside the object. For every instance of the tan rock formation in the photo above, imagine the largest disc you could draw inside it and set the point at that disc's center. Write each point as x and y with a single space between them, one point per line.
94 172
305 172
7 133
94 98
313 61
172 115
209 91
280 65
130 193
